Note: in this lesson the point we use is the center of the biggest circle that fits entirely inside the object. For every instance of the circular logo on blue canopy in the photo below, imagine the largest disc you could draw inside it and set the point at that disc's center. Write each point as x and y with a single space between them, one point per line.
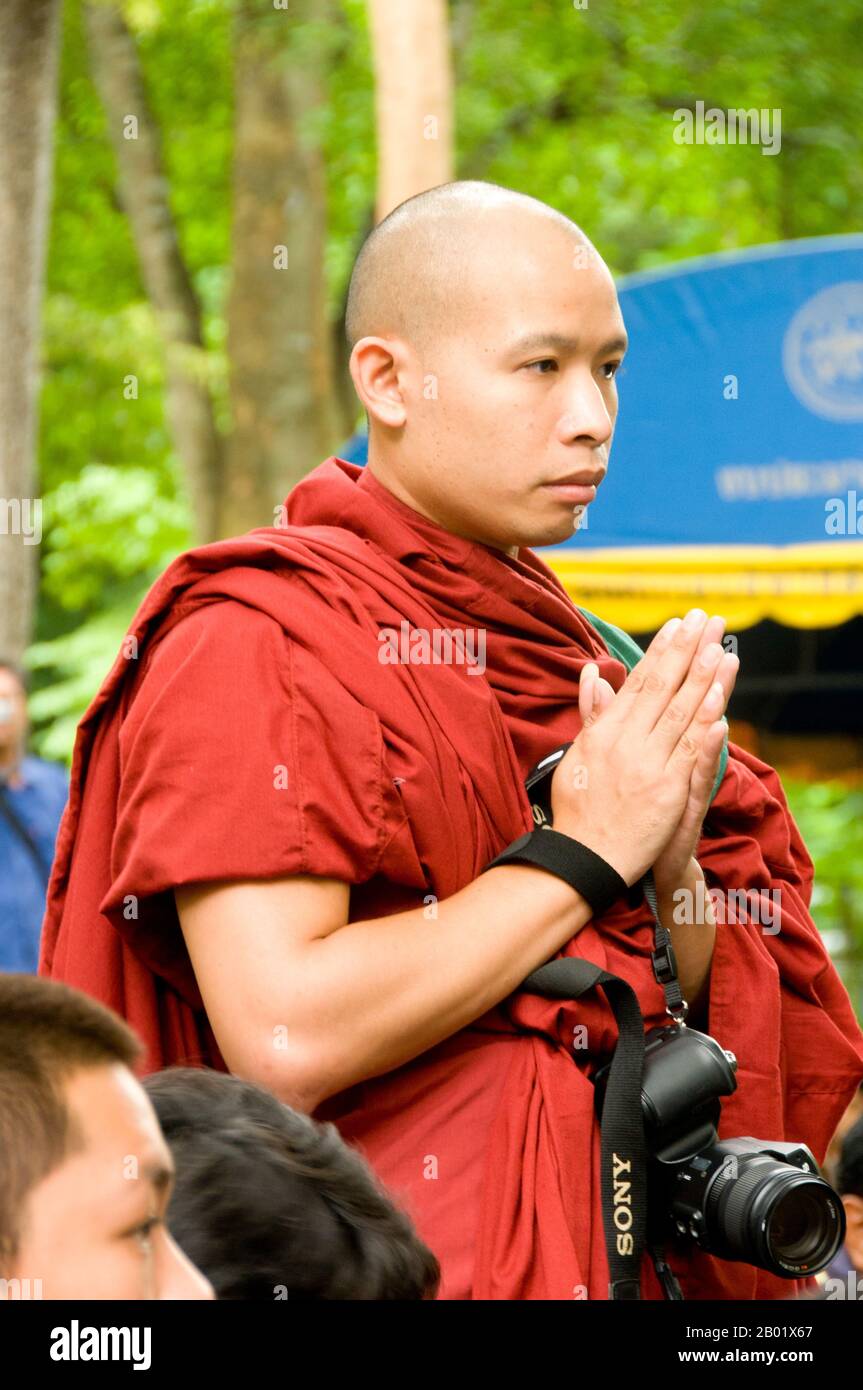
823 352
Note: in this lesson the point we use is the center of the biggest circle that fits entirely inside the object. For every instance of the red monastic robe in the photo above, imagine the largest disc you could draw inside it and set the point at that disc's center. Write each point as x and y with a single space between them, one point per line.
250 729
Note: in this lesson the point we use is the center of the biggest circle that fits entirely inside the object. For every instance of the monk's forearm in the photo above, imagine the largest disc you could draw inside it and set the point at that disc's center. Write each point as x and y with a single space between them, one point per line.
692 926
375 994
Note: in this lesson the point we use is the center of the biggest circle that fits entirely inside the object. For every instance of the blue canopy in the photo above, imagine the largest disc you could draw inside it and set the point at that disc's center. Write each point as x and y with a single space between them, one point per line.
741 399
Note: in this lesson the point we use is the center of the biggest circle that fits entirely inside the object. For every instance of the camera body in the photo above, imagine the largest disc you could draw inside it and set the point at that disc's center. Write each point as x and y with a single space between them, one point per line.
758 1201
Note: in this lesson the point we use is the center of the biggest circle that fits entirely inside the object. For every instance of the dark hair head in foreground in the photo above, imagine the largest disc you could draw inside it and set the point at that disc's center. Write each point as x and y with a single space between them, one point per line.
269 1203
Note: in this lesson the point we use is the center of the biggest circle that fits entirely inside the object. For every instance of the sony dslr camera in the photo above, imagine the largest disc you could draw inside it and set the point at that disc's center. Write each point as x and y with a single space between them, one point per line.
752 1200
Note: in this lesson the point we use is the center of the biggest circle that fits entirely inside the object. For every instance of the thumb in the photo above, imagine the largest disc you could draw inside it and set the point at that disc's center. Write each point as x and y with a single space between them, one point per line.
604 695
706 766
587 689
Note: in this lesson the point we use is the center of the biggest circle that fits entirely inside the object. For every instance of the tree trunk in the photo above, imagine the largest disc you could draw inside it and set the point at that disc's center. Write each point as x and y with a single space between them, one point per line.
285 412
134 135
413 98
29 45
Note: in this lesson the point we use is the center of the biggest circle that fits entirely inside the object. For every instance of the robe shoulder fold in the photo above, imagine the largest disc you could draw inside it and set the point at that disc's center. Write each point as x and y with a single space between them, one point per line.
243 757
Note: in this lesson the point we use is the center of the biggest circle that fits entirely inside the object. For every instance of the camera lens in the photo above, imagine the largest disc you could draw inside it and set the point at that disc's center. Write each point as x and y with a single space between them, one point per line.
772 1215
799 1224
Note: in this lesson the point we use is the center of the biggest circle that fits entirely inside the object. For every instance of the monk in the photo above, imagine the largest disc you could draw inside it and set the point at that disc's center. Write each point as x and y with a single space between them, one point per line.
314 740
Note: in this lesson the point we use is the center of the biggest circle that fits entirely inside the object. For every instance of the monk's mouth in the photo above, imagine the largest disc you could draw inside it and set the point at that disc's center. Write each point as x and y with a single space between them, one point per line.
576 493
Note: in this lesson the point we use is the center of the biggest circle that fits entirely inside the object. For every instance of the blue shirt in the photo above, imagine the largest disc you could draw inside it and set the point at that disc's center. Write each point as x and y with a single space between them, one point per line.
38 804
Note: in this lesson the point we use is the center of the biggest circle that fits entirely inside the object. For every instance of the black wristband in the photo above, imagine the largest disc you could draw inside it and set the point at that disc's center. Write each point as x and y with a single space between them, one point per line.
580 867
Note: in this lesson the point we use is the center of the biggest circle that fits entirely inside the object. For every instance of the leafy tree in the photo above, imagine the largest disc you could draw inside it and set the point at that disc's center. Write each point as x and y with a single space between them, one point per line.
574 106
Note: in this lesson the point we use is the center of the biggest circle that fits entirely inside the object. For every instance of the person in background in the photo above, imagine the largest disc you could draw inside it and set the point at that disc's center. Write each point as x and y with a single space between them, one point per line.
32 797
833 1156
85 1174
270 1204
848 1181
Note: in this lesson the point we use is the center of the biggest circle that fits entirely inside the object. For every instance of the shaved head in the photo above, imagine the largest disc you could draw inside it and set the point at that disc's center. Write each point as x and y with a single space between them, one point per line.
416 268
485 337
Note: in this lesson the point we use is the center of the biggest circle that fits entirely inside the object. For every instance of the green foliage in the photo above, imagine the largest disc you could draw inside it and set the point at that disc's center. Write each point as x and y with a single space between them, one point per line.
78 663
109 534
829 816
105 526
576 107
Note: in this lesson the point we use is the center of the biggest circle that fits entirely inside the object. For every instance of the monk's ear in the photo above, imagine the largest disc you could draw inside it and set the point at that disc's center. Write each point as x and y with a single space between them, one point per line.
378 369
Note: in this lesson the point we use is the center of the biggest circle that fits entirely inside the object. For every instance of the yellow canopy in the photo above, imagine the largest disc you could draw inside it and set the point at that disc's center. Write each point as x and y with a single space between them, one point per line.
808 585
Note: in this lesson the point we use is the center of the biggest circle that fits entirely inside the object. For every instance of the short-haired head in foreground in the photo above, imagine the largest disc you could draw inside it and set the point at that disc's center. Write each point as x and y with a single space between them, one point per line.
485 336
272 1204
84 1171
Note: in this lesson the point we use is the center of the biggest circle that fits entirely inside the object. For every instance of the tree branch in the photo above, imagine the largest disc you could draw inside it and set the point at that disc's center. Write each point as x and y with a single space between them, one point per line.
143 191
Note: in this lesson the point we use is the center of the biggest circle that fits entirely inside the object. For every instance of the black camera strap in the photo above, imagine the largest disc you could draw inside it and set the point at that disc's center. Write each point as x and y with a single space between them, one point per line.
584 870
664 959
623 1146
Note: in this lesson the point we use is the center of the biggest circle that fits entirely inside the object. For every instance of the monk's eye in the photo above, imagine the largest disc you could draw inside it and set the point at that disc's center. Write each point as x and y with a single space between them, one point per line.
610 370
542 362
